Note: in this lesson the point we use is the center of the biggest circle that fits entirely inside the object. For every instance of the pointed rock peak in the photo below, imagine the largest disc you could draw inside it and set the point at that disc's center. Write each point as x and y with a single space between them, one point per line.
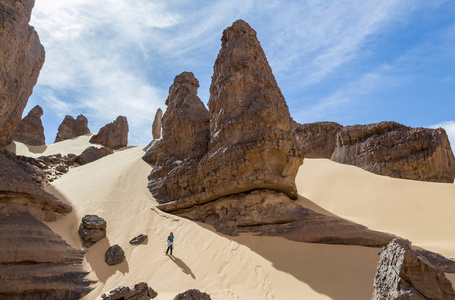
36 111
238 29
185 83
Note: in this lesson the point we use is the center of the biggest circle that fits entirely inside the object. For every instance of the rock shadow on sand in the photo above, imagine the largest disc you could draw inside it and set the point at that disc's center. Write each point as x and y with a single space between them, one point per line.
95 257
184 267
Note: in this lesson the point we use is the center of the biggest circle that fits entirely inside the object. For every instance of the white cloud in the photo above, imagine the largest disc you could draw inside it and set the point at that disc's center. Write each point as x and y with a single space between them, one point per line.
449 127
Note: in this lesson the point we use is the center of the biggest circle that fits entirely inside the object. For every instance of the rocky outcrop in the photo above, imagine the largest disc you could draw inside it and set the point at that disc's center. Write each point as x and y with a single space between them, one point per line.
20 63
71 128
36 263
245 143
114 255
405 273
316 140
192 295
91 154
139 291
30 130
92 229
156 127
395 150
139 239
113 135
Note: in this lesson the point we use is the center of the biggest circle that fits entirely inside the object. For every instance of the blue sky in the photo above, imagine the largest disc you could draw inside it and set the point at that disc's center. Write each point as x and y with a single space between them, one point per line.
352 62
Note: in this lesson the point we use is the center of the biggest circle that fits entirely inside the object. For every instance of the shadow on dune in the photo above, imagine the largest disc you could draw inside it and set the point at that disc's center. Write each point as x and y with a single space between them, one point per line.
182 265
95 257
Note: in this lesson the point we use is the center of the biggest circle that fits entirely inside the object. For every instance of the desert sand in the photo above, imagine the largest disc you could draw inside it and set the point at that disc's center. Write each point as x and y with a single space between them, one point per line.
246 266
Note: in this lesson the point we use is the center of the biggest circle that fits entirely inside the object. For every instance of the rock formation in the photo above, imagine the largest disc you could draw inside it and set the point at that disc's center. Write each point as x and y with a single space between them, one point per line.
20 64
113 135
244 144
407 273
235 166
139 239
30 130
316 140
193 295
91 154
36 263
92 229
114 255
156 127
395 150
71 128
140 291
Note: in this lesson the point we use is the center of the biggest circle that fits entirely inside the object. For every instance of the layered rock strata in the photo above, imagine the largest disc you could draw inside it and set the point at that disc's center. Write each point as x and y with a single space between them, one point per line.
156 126
113 135
20 64
36 263
139 291
406 273
71 128
316 140
395 150
30 130
243 144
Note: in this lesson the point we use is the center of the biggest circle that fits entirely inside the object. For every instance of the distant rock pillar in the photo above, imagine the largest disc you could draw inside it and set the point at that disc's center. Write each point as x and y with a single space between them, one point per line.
156 127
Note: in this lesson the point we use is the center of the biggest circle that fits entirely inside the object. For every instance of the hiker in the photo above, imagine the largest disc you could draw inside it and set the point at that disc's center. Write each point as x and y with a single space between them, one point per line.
170 243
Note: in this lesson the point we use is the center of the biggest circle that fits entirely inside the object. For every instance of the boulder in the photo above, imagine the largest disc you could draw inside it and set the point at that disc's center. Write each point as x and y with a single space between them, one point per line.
242 144
192 295
406 273
91 154
92 229
156 127
139 239
20 63
113 135
30 130
71 128
36 263
316 140
395 150
114 255
140 291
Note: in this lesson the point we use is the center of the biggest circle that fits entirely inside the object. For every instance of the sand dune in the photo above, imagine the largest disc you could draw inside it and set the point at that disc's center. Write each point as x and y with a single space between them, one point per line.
245 267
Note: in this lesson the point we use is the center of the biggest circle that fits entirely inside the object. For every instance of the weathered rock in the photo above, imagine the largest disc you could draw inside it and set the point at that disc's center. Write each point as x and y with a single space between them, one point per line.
192 295
92 229
247 143
30 130
36 263
395 150
113 135
22 57
316 140
91 154
404 273
139 239
151 152
114 255
266 212
71 128
19 191
156 127
140 291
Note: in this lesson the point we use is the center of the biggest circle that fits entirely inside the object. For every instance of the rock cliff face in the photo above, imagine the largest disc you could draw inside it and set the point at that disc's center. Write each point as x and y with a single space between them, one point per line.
20 63
244 144
395 150
113 135
30 130
71 128
316 140
406 273
156 127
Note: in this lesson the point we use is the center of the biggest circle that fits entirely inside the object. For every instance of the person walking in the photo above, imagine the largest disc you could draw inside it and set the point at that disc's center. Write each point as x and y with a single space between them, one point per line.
170 243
